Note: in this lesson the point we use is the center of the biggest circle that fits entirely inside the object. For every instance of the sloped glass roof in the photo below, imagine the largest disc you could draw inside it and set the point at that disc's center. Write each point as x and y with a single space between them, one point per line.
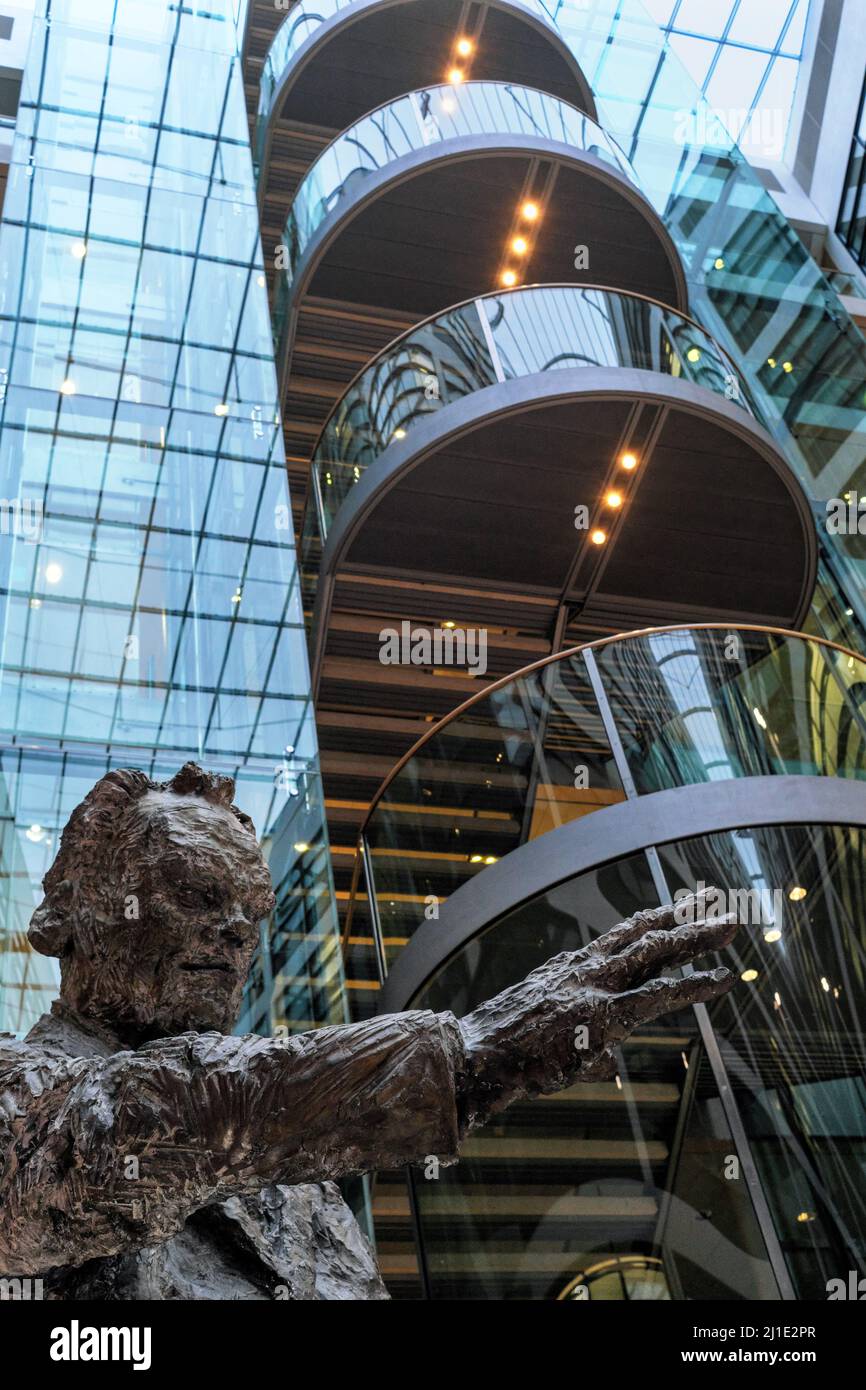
745 55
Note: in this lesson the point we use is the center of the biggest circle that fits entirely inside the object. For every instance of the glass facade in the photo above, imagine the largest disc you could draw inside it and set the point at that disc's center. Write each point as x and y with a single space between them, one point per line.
150 603
851 226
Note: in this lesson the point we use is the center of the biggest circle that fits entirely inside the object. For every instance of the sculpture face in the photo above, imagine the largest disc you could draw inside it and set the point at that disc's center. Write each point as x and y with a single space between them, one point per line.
202 888
153 905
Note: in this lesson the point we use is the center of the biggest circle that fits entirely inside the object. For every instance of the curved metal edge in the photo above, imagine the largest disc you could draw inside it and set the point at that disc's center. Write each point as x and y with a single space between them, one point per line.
534 392
343 19
614 833
454 151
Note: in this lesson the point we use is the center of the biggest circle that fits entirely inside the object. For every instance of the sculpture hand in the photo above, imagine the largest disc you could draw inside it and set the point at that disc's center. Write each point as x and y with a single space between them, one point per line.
564 1022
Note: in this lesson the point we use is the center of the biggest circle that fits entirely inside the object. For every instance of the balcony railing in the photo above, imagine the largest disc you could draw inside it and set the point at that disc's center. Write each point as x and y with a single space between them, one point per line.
430 119
499 337
625 716
299 26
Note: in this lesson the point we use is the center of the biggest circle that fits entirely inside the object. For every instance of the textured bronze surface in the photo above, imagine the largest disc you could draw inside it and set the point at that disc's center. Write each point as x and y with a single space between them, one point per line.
145 1153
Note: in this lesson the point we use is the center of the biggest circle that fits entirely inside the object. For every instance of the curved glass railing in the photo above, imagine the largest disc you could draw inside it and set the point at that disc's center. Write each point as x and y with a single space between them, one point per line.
498 337
422 120
299 26
537 750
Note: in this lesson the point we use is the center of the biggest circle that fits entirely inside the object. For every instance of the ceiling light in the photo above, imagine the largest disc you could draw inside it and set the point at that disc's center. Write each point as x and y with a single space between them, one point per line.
628 461
53 572
491 859
771 361
613 499
36 603
262 281
35 833
221 409
825 984
719 263
598 537
302 847
455 77
804 1216
772 935
449 624
520 246
759 718
797 895
787 366
477 859
749 976
78 249
399 434
465 47
68 387
509 278
694 354
530 212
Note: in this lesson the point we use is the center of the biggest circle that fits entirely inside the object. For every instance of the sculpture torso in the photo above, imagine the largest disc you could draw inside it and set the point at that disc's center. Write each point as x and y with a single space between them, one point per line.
298 1243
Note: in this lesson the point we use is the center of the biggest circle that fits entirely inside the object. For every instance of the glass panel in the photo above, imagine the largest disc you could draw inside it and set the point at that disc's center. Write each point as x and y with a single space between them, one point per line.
792 1034
614 1190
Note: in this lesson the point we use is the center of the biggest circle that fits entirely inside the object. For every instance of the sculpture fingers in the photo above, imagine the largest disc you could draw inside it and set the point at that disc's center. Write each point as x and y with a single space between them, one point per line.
665 918
663 996
657 949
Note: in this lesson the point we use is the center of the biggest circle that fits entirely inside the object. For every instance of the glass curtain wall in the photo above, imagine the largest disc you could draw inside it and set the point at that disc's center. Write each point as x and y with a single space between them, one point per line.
149 601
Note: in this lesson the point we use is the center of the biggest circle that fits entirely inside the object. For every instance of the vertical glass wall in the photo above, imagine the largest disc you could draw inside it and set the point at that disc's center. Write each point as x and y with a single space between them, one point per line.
149 603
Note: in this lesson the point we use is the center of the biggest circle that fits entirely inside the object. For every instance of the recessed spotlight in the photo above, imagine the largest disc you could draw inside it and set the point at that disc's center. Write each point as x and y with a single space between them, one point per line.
455 77
598 537
221 409
520 246
771 361
804 1216
476 859
749 975
449 624
68 387
694 354
719 263
399 434
530 212
628 461
35 834
78 250
465 47
302 847
825 984
797 894
509 278
772 935
53 573
613 499
491 859
787 366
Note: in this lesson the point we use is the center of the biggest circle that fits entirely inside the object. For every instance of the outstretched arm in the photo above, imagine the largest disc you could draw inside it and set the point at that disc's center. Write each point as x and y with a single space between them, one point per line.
104 1156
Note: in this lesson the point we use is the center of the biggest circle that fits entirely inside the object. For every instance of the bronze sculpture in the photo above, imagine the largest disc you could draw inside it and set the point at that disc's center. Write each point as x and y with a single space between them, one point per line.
147 1153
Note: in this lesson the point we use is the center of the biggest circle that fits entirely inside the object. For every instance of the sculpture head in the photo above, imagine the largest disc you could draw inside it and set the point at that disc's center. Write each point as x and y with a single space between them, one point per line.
153 904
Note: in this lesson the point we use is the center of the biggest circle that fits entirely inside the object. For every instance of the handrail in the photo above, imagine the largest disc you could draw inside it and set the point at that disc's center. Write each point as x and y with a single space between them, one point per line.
407 333
540 665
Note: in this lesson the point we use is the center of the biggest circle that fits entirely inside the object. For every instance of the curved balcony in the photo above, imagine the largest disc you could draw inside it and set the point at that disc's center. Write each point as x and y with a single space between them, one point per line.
426 199
555 803
465 448
324 66
623 720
